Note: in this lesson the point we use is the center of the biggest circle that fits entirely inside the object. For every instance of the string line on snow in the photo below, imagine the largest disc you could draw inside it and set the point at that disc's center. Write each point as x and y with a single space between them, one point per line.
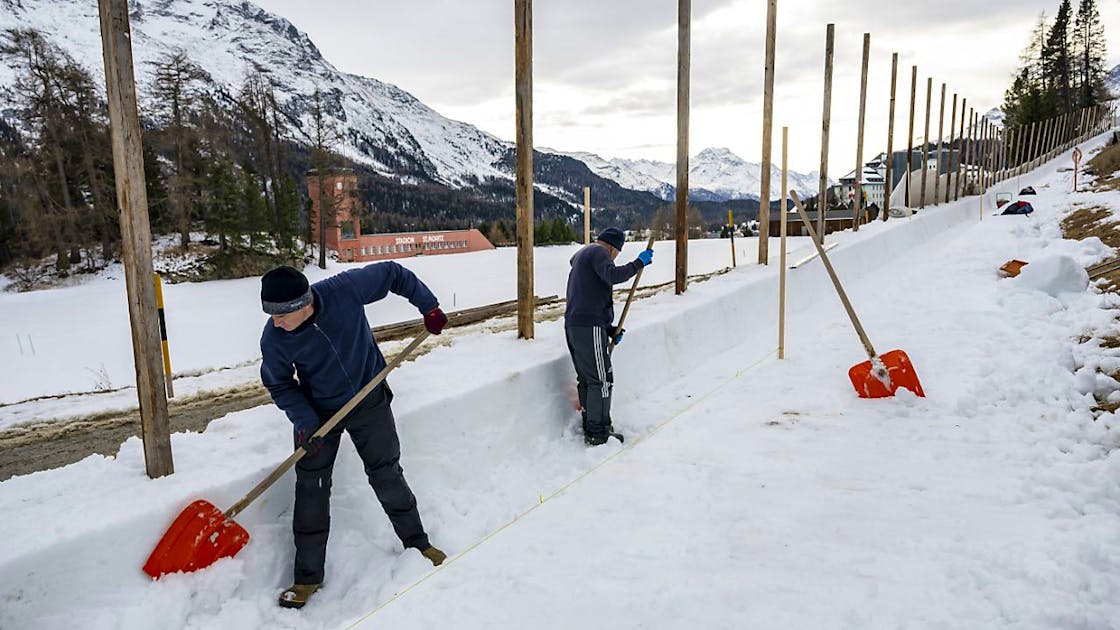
542 500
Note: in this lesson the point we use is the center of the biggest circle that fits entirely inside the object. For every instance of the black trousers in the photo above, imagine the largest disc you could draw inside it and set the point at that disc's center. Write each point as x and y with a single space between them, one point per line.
374 433
588 346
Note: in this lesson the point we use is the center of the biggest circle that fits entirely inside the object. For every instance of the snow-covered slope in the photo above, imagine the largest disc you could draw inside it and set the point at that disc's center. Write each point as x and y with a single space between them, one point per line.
1112 82
714 174
382 124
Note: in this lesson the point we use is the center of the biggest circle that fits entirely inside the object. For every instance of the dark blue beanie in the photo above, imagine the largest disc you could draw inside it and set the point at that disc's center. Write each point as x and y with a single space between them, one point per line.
284 290
612 236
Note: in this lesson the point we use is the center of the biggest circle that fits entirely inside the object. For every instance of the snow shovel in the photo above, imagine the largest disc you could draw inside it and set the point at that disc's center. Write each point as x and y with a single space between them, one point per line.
203 534
880 376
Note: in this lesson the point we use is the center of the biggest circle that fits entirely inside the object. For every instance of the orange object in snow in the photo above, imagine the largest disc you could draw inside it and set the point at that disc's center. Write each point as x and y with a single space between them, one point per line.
1011 268
897 371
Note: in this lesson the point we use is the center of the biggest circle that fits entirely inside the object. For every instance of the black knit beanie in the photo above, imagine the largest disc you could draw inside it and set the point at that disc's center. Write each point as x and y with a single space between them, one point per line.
612 236
284 290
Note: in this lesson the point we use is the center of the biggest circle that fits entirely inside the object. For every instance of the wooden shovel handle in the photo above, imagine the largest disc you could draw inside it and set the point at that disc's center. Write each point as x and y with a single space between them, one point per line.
832 274
630 297
326 427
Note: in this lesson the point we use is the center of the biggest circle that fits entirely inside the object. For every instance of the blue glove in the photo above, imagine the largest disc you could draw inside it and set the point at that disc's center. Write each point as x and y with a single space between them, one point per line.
646 257
618 338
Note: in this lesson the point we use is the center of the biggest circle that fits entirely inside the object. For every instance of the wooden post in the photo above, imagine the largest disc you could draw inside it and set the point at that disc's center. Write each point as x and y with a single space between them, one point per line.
1044 154
952 133
731 227
587 216
910 138
136 236
523 44
782 246
960 153
925 144
826 122
767 133
940 141
970 150
684 26
1020 136
857 204
982 173
1032 148
888 186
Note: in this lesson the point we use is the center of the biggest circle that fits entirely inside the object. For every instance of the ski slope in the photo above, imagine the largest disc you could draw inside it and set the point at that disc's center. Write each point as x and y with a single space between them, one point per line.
752 492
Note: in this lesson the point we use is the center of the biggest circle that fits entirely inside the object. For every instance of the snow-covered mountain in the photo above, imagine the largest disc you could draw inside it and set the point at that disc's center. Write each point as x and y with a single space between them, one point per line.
383 125
1112 82
713 175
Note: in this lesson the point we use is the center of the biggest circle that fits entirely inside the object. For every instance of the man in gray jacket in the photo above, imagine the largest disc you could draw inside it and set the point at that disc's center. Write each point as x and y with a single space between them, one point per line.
589 328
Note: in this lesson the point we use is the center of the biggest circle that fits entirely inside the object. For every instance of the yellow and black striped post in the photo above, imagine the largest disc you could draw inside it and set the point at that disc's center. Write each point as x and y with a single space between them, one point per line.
731 225
163 337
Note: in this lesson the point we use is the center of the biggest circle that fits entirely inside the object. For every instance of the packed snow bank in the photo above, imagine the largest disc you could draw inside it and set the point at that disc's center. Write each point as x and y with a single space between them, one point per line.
488 430
1055 275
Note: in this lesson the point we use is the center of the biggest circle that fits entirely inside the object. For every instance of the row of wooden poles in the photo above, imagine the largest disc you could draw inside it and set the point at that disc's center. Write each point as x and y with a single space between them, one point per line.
1029 146
992 152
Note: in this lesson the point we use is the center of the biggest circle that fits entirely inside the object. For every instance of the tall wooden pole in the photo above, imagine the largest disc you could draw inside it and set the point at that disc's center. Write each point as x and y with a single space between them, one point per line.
684 36
523 45
1032 148
925 144
888 184
970 150
782 246
952 154
983 157
587 216
940 141
136 237
960 152
767 133
1020 136
910 137
857 205
826 123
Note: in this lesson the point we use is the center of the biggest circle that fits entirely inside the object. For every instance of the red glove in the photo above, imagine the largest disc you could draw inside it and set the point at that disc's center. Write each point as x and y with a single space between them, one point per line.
435 320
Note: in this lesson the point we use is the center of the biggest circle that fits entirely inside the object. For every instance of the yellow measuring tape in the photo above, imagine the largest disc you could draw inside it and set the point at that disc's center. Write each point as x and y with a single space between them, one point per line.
541 500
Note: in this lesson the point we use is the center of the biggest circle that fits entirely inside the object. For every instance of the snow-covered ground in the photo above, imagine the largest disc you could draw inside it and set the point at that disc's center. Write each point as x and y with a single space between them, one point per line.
752 493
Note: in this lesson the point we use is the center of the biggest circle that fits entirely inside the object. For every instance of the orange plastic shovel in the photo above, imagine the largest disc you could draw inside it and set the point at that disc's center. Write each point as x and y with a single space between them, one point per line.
203 534
879 376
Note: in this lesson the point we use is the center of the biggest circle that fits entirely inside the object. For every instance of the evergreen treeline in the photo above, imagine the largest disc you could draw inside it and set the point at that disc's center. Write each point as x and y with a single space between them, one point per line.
1063 66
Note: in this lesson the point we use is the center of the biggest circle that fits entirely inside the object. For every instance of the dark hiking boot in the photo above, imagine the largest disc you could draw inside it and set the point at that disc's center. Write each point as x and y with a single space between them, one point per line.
435 555
297 595
595 439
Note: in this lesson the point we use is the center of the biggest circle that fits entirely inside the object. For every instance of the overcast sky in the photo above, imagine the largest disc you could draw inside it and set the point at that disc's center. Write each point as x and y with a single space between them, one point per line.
605 71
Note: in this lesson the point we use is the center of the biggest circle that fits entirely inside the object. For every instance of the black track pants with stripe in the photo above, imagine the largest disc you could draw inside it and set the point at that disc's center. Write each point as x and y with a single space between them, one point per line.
594 376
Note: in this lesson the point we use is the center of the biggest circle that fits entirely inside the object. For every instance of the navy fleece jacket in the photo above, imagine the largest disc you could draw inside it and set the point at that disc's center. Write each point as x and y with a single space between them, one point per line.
319 366
591 284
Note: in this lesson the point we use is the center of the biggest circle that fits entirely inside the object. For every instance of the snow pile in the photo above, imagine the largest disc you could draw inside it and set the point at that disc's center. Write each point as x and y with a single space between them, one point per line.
1054 275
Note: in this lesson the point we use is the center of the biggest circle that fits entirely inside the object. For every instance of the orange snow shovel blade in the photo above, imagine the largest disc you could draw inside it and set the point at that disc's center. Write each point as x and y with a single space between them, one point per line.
199 537
900 373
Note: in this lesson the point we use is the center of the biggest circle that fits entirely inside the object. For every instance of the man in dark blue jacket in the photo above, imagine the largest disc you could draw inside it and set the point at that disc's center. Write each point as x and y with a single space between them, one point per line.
589 329
317 352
